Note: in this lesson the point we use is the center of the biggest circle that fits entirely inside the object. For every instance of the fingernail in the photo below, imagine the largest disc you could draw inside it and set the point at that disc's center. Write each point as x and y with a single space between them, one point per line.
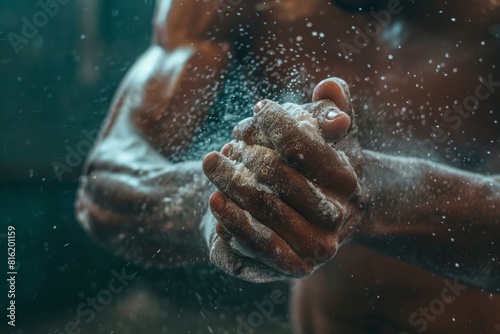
217 203
333 113
258 107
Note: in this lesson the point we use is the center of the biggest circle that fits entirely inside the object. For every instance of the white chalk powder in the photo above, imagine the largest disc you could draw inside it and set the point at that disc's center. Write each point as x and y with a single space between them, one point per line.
178 203
326 207
305 121
261 156
258 227
225 256
238 248
247 178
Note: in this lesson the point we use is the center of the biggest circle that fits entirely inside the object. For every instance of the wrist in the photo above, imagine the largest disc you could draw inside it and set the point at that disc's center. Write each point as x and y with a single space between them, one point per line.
369 183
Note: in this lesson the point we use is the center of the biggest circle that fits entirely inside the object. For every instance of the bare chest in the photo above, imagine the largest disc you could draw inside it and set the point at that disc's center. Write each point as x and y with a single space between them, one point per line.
409 89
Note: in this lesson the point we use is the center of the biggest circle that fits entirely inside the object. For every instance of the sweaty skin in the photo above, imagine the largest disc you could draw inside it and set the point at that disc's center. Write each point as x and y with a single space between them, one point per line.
429 75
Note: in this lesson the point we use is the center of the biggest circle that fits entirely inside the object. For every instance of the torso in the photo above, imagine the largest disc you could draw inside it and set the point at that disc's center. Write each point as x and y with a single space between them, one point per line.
402 84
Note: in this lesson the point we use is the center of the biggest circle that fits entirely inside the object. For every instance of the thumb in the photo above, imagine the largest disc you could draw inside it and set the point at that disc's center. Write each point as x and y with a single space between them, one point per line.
335 90
336 119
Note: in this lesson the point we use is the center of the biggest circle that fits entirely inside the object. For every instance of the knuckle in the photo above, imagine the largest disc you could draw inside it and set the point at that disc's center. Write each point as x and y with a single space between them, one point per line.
267 204
269 208
270 119
244 128
292 145
271 123
263 161
264 171
223 179
267 172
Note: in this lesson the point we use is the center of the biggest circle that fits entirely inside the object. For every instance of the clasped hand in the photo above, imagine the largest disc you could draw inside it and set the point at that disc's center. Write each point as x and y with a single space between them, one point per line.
288 186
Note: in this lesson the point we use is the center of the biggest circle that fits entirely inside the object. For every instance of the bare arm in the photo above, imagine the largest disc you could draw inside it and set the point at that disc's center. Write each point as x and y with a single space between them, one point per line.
443 219
132 197
431 215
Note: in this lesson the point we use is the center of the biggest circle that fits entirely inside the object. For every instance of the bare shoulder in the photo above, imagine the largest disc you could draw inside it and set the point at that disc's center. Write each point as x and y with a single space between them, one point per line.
179 22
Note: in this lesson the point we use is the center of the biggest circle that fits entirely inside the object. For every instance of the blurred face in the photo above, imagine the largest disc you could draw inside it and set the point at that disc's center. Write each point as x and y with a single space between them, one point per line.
356 4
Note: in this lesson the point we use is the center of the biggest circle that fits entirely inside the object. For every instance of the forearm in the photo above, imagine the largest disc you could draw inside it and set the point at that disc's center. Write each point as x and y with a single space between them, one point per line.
169 194
133 197
150 215
437 217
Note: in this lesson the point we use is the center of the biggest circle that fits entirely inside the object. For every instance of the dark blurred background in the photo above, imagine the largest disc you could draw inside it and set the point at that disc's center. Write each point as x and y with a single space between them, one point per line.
58 75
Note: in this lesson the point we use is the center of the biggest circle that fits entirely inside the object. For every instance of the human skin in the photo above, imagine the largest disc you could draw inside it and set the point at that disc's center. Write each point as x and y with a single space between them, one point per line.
132 197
